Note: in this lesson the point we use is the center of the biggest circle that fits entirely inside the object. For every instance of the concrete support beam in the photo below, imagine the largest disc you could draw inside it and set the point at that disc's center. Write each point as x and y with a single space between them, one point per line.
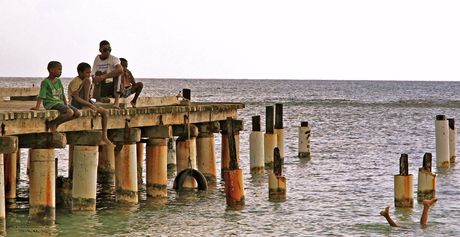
160 131
182 130
8 144
10 173
124 136
42 186
84 138
42 140
209 127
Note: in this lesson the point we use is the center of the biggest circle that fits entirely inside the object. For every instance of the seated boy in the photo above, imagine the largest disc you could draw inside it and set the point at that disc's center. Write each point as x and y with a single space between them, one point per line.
79 89
52 95
128 84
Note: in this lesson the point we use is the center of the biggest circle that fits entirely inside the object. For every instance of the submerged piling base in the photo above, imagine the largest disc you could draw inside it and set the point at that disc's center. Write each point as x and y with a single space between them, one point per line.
205 155
234 186
426 185
256 152
85 160
404 190
126 174
157 172
276 187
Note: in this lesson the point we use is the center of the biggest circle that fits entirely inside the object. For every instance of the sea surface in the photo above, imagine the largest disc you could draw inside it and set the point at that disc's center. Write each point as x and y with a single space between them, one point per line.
359 131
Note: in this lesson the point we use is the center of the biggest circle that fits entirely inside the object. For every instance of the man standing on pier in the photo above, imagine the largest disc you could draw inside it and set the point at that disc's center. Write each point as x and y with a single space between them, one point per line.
105 73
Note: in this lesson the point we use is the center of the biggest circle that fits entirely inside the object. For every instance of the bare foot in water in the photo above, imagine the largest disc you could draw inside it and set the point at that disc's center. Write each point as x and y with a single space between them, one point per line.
106 141
428 203
385 213
133 104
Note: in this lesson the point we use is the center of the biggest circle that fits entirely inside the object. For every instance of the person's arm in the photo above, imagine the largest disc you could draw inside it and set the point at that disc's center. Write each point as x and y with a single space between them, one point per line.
80 100
117 72
39 101
133 81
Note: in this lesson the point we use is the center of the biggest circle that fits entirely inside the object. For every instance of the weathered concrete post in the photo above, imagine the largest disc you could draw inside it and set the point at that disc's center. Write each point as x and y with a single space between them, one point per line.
234 182
279 129
442 142
8 145
140 161
71 161
205 150
186 151
126 185
452 140
238 125
426 180
404 184
42 177
84 177
172 154
106 166
304 140
10 165
156 159
85 155
270 137
256 147
277 182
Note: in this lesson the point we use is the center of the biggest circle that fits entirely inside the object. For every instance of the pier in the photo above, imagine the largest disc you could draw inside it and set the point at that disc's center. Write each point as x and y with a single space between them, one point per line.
153 122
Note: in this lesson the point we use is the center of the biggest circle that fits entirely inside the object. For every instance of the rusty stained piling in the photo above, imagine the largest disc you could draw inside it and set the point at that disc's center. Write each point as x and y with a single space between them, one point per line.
106 166
140 161
8 145
279 129
186 154
238 125
157 168
85 162
442 142
256 147
10 172
234 183
171 154
270 137
277 182
404 184
206 157
304 140
126 185
426 180
452 140
42 186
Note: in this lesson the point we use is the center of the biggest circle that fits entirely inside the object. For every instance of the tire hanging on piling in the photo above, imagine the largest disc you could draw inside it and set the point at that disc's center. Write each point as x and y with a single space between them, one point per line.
197 175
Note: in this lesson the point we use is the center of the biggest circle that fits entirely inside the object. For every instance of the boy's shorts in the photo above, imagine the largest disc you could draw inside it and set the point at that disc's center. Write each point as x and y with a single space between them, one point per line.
62 108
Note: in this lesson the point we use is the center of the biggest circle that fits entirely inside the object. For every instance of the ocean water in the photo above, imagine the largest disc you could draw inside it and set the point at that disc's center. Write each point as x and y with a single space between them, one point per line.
359 131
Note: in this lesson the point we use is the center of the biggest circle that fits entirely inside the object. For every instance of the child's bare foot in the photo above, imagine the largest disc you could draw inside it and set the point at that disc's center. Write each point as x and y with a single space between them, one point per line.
428 203
133 104
106 141
385 213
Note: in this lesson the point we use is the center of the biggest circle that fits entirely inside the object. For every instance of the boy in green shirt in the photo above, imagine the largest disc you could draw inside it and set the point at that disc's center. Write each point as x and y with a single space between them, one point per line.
52 95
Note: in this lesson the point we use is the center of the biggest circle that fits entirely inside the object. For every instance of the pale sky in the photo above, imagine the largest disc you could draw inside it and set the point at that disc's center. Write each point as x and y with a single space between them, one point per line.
321 39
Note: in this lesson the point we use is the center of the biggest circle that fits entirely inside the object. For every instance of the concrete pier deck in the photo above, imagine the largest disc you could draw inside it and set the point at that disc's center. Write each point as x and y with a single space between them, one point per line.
17 118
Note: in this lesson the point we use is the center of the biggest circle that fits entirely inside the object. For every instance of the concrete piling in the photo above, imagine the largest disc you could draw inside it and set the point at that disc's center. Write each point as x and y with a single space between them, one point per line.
304 140
172 154
140 161
157 168
452 140
205 151
426 180
126 185
277 182
238 126
234 182
106 166
442 142
186 153
256 147
404 184
270 137
279 129
10 173
85 162
42 186
9 145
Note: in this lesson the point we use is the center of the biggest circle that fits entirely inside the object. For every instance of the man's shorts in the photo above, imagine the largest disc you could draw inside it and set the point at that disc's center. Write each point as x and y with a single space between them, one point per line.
62 108
128 92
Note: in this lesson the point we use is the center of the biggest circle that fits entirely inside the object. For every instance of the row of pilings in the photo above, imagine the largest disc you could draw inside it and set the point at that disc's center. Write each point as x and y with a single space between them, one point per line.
446 153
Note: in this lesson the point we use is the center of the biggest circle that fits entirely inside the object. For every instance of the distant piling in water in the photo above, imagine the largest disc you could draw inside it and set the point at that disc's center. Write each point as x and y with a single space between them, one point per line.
404 184
234 182
426 180
442 142
277 182
452 140
279 129
256 147
270 137
304 140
